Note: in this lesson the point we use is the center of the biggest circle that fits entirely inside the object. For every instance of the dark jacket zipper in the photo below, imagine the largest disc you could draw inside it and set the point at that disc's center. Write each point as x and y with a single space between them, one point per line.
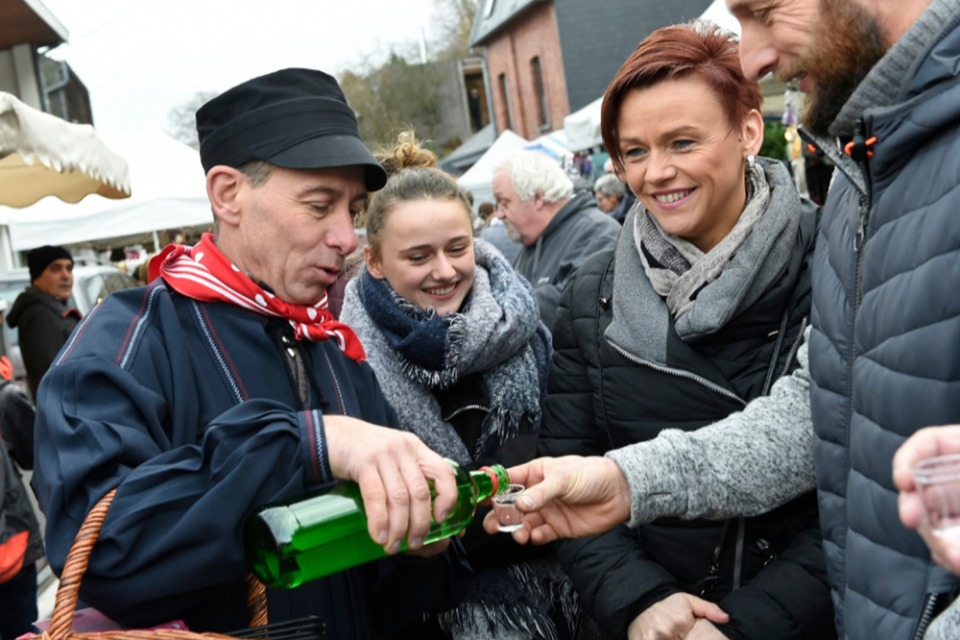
858 245
679 373
926 616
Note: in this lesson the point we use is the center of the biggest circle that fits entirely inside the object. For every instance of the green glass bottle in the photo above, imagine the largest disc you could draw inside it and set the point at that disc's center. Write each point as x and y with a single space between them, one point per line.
288 545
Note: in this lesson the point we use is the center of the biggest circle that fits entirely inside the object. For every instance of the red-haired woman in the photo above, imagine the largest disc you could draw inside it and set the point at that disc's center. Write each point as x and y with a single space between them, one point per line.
695 314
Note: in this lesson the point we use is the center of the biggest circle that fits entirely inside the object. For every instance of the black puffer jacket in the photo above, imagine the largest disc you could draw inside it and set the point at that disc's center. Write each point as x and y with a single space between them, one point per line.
604 397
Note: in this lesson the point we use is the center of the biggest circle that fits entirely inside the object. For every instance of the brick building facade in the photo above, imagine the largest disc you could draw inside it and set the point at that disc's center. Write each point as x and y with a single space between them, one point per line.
525 68
546 58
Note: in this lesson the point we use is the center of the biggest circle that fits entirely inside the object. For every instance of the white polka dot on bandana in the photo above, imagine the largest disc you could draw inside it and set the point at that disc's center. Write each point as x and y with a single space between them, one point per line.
234 267
199 256
261 301
312 313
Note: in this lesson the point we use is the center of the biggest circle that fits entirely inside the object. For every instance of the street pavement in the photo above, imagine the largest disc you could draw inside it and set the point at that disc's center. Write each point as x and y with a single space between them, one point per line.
46 581
46 592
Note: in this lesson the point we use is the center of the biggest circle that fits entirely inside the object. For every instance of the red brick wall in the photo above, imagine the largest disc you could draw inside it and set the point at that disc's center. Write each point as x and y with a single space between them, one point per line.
530 35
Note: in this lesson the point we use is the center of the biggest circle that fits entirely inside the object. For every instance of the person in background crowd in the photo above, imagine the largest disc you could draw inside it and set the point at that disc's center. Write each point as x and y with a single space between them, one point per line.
454 334
16 412
611 196
499 235
694 315
609 191
352 265
21 545
558 229
142 272
42 312
20 548
586 167
582 185
485 211
481 221
226 385
883 347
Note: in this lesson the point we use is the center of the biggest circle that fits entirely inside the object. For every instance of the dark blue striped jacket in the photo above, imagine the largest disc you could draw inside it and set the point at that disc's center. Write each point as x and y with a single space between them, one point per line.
188 408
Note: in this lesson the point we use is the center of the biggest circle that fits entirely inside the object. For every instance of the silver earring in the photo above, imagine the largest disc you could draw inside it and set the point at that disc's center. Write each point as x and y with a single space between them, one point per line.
751 162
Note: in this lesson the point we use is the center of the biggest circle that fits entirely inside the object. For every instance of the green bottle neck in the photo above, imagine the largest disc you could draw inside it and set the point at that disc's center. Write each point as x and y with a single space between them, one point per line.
490 481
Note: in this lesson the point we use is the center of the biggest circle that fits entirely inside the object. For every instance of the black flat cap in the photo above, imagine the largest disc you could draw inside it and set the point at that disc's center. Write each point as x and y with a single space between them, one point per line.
292 118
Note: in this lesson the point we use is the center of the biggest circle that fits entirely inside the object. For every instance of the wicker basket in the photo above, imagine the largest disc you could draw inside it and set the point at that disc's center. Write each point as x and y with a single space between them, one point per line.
68 592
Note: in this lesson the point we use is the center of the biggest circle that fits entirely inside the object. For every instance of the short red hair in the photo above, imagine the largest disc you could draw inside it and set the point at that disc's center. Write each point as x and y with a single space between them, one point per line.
699 49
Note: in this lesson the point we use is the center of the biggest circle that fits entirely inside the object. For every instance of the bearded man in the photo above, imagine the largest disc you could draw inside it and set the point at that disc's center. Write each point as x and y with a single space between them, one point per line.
883 102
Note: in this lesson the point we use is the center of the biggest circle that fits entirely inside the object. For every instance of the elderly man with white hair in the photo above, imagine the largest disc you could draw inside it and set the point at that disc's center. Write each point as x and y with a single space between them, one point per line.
558 229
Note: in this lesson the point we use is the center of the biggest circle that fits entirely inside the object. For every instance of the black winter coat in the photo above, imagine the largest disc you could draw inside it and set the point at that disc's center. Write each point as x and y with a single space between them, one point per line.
45 323
601 399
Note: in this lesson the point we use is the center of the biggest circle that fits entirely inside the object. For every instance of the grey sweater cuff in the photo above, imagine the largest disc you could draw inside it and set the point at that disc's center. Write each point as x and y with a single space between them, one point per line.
946 626
746 464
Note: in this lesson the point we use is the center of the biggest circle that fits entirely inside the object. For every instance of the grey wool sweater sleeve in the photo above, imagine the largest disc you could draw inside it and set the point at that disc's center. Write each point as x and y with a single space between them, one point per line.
946 626
746 464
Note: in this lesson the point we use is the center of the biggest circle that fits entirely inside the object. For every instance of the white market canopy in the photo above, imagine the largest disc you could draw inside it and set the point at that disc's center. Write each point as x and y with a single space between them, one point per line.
553 144
43 155
169 192
583 127
479 178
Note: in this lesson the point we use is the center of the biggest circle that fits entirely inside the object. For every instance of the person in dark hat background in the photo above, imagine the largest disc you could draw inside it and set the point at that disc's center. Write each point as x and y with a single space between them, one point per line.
42 313
225 385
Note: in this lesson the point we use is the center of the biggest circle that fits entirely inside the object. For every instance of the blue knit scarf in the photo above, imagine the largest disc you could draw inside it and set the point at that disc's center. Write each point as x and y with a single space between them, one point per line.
420 336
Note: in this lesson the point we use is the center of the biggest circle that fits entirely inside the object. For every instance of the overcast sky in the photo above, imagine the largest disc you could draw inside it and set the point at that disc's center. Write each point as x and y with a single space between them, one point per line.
141 58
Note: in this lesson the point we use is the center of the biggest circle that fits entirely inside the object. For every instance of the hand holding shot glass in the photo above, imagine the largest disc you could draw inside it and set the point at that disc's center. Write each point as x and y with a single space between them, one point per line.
938 483
509 518
926 470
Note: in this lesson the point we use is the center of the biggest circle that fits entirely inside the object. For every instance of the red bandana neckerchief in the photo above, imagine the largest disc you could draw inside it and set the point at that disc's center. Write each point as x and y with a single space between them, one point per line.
203 273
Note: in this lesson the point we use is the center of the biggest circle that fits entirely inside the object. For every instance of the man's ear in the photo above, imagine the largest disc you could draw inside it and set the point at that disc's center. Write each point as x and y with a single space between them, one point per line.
373 263
538 200
225 189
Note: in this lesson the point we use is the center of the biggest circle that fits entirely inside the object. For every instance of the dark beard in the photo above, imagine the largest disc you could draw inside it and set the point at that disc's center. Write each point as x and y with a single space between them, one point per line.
841 57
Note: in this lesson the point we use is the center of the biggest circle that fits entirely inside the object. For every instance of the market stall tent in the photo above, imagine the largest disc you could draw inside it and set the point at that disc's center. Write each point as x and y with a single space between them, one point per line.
169 192
553 144
43 155
478 179
583 127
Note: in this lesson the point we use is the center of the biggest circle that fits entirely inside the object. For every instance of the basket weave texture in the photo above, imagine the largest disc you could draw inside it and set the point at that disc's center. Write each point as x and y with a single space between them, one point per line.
68 593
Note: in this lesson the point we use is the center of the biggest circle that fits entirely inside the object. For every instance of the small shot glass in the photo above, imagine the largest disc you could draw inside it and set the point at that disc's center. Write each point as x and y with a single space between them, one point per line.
509 517
938 483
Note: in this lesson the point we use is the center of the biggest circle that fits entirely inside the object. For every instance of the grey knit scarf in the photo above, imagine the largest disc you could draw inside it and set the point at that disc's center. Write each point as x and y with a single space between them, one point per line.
686 269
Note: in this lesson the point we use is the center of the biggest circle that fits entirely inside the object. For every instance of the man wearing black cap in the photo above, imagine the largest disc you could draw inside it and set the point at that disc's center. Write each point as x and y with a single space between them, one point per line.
226 384
41 312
